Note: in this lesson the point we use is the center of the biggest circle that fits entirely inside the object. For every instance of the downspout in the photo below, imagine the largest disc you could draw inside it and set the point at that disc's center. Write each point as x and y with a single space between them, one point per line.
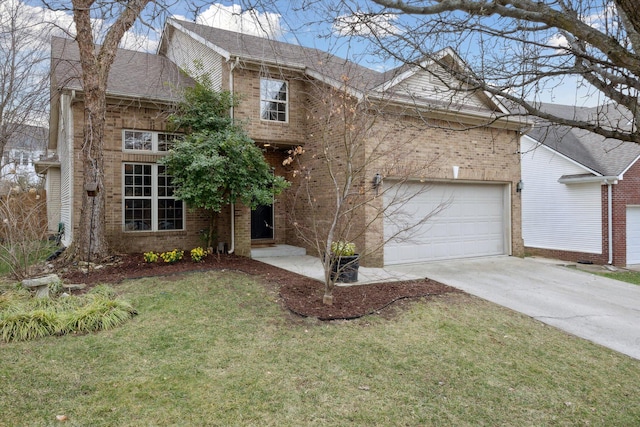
233 210
609 222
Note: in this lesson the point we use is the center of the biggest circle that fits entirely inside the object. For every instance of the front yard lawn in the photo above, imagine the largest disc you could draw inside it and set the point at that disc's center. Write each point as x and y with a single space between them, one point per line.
217 349
625 276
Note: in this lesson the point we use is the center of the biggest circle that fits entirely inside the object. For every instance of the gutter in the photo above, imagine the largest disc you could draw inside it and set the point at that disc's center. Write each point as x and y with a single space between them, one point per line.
604 180
232 66
610 222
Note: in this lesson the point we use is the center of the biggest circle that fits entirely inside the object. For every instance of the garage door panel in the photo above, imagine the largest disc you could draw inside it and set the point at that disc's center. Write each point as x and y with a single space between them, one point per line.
633 234
472 224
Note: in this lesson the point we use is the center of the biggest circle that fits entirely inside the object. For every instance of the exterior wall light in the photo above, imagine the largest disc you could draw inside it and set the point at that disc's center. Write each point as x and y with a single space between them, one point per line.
376 181
519 186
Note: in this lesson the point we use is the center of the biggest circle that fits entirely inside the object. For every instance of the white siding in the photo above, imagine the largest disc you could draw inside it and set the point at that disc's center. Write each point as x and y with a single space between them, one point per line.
190 54
435 86
66 153
554 215
52 185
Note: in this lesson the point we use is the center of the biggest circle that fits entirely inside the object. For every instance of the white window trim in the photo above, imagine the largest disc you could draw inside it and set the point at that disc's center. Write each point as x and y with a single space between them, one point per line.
286 103
154 141
154 202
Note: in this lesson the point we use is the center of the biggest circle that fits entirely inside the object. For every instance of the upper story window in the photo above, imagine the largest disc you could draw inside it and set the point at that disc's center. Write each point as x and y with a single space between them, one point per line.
154 142
274 98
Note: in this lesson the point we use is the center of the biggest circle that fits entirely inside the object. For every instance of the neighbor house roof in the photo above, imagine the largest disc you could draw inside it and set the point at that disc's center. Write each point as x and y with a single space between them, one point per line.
28 137
606 156
133 74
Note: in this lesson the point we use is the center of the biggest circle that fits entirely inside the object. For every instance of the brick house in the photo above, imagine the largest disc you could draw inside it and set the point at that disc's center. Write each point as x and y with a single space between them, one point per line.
581 195
470 143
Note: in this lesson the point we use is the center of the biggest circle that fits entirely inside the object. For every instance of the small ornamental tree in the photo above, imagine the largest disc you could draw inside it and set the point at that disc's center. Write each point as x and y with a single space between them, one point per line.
217 164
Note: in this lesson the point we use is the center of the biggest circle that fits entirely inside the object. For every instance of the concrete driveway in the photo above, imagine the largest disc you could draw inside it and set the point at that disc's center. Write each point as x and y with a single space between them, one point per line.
601 310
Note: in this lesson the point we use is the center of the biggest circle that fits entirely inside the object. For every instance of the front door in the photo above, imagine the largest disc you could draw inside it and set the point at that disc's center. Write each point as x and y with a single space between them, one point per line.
262 222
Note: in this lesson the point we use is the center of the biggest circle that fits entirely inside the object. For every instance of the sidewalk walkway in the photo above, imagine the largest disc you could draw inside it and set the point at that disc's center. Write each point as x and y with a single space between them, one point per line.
312 267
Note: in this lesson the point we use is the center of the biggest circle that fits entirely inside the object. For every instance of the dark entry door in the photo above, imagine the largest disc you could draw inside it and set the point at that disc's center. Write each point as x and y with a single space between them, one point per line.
262 222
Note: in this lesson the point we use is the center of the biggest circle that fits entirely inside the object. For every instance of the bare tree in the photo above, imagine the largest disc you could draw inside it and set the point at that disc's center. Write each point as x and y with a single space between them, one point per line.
339 195
519 48
100 27
23 72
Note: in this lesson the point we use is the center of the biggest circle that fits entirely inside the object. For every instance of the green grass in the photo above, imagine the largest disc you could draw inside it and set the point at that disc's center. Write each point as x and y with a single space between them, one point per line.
215 349
624 276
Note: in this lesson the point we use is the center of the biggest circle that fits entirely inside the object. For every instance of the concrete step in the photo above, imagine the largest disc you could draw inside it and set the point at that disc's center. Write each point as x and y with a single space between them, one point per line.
277 251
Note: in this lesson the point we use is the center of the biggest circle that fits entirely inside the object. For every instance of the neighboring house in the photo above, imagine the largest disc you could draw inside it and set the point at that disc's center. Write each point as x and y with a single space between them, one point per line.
477 166
580 197
26 145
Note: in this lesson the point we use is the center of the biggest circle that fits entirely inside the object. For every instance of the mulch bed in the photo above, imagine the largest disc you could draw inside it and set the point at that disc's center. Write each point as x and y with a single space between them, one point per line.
299 294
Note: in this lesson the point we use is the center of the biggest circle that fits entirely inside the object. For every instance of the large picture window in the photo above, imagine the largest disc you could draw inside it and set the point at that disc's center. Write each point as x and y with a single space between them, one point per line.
154 142
149 204
274 100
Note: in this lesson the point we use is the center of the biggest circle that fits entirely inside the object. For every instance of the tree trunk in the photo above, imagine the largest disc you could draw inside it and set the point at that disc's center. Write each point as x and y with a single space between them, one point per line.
327 299
91 237
90 242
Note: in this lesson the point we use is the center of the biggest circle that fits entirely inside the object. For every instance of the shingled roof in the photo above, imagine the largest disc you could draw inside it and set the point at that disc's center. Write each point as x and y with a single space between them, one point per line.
133 74
268 51
605 156
331 68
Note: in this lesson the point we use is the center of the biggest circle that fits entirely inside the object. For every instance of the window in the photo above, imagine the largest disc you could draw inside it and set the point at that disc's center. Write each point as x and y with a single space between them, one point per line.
148 141
149 204
273 100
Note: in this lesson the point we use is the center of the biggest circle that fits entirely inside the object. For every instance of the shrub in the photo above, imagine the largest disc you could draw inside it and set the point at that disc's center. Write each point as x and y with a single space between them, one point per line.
150 257
173 256
198 254
343 248
23 233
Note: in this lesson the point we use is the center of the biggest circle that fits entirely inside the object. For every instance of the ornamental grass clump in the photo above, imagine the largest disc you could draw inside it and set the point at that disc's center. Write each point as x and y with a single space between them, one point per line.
23 317
198 254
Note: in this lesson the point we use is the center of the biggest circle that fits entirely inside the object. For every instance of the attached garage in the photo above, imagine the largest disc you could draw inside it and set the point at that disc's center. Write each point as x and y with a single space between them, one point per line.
633 235
468 220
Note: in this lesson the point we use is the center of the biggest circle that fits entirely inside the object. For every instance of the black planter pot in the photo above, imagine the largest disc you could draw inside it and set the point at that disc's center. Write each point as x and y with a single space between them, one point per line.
345 269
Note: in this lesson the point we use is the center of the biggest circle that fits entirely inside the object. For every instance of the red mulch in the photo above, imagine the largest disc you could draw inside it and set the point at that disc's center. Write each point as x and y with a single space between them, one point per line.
299 294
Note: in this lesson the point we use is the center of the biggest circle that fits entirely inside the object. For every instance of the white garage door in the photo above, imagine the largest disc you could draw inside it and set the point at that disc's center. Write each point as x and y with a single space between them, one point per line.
471 220
633 234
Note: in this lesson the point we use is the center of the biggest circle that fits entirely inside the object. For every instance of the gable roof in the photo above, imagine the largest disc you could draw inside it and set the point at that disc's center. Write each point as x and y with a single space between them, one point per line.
606 156
325 66
262 51
133 74
27 137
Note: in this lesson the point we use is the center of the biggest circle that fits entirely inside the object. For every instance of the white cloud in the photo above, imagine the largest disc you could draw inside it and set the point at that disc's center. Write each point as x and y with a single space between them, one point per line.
366 24
558 40
252 22
35 25
38 24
